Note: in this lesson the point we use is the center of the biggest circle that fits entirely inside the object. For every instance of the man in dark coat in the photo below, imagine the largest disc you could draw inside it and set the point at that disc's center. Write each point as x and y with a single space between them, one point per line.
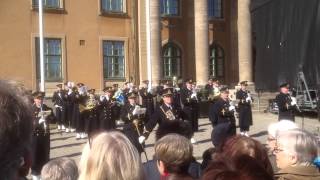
59 102
244 105
189 102
107 110
42 115
133 119
147 98
286 104
164 112
223 118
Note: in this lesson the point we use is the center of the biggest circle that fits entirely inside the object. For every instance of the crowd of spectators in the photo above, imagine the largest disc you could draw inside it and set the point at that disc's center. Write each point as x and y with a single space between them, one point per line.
111 156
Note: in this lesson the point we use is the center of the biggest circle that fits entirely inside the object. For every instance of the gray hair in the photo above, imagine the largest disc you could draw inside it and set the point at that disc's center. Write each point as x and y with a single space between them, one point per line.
15 127
282 125
60 169
299 142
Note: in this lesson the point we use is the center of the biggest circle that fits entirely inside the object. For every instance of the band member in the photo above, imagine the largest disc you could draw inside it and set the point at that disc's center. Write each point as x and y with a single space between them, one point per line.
59 102
163 113
107 110
74 112
81 98
223 117
90 114
42 115
147 98
244 105
70 127
189 100
285 103
134 120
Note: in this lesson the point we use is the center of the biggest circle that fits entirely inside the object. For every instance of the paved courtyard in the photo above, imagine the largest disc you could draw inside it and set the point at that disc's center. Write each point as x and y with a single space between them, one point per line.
65 144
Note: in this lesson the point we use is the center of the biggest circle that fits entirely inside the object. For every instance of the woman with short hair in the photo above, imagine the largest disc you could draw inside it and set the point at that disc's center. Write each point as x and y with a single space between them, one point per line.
295 151
110 156
174 155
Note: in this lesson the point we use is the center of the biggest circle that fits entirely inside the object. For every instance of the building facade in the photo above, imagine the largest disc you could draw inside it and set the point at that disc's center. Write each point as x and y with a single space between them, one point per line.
102 42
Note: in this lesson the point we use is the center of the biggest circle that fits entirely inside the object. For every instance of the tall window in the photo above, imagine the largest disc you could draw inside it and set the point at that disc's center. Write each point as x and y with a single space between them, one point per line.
215 8
216 63
52 59
169 7
113 59
171 56
50 4
113 6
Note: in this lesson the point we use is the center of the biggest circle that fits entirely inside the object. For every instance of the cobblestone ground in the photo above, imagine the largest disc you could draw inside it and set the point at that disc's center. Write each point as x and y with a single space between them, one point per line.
65 144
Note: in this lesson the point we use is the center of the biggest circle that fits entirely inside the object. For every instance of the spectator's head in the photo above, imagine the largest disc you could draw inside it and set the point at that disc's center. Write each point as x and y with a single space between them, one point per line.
176 126
277 127
207 156
61 168
174 154
15 128
243 167
295 147
242 145
110 156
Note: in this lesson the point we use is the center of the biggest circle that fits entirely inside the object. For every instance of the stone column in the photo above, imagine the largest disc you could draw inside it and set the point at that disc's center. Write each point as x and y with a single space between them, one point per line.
201 41
244 41
155 36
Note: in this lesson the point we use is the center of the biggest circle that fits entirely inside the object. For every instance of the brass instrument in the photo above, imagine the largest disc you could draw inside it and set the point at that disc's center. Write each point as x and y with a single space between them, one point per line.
91 102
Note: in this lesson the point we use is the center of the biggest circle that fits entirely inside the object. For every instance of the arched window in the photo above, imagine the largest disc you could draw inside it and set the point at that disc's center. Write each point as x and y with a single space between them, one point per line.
171 56
216 62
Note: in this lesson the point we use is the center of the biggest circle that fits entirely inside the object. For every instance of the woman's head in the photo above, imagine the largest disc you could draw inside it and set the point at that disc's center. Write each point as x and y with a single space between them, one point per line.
295 147
242 145
174 154
110 156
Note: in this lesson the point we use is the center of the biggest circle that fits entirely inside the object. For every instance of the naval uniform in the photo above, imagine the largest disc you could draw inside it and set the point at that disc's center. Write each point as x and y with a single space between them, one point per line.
162 114
245 113
133 125
59 99
286 111
223 121
147 100
107 110
190 107
40 148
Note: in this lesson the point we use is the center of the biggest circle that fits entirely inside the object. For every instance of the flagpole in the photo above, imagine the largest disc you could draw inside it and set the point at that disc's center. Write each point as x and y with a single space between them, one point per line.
42 85
149 64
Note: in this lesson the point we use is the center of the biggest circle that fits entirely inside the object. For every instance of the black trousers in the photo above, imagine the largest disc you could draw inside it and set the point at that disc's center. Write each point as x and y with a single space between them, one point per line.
61 116
40 152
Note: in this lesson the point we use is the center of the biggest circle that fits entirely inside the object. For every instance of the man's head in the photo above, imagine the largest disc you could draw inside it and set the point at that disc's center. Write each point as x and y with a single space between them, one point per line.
108 91
224 93
189 83
38 98
284 88
132 98
15 128
244 85
167 96
59 87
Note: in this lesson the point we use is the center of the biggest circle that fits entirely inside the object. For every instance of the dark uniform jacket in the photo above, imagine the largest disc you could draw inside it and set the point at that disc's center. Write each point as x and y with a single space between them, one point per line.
74 111
286 111
133 125
163 113
40 140
60 98
190 107
147 100
107 114
245 113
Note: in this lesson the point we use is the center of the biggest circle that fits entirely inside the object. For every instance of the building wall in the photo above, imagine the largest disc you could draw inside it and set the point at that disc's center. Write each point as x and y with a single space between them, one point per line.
82 21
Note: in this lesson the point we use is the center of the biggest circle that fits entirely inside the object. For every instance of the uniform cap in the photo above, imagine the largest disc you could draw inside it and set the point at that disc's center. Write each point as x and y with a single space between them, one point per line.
38 95
108 89
167 92
132 95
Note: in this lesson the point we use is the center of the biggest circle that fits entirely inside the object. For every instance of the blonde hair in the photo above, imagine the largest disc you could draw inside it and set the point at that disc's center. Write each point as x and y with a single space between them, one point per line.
110 157
175 151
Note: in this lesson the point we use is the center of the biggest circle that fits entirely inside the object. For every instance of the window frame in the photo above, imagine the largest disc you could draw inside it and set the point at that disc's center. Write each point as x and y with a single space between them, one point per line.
216 61
48 9
107 77
212 17
105 12
177 57
163 15
46 57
